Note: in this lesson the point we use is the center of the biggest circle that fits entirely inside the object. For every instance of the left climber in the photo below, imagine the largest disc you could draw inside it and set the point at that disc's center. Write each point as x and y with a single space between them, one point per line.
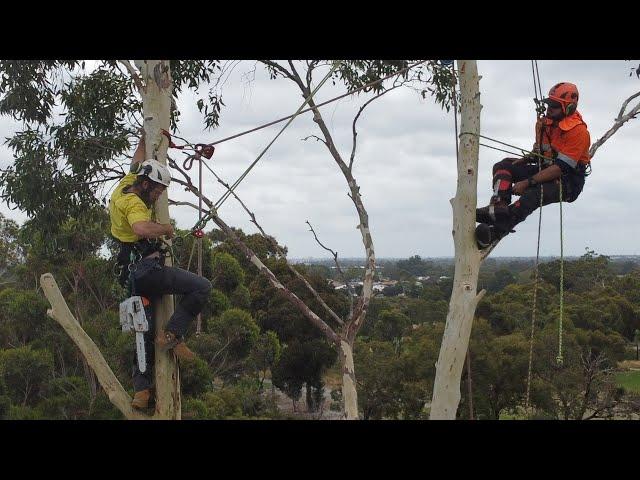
131 212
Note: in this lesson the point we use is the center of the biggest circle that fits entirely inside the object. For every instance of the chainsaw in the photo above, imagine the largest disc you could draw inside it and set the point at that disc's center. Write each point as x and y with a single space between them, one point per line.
133 318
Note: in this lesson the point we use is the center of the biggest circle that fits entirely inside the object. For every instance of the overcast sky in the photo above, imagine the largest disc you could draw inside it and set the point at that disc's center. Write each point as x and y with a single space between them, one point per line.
406 163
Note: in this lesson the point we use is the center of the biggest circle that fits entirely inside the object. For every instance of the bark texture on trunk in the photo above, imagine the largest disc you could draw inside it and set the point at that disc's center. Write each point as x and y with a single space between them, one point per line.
462 306
349 391
156 98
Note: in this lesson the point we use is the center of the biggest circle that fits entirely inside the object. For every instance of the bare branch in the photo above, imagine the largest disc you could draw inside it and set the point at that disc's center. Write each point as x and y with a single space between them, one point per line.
358 316
60 313
355 134
352 293
134 76
188 204
624 105
296 78
621 120
281 252
317 138
253 258
279 68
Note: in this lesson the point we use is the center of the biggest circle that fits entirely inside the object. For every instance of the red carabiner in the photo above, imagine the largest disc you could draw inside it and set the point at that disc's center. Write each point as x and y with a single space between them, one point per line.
205 150
171 144
198 233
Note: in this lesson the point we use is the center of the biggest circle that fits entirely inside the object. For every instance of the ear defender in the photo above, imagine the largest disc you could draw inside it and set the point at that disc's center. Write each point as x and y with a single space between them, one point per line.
570 108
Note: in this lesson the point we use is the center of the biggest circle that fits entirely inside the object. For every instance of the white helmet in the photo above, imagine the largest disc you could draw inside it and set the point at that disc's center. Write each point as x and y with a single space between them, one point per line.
156 172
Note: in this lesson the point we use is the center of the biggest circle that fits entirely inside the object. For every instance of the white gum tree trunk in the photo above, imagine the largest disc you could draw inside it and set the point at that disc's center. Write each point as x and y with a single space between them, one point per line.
462 307
349 390
156 98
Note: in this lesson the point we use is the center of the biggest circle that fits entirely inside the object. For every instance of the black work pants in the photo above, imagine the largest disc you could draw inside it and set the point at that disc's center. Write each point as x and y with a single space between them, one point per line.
506 173
153 280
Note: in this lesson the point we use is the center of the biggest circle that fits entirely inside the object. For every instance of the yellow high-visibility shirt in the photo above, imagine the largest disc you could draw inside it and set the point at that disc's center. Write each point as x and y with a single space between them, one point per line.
125 209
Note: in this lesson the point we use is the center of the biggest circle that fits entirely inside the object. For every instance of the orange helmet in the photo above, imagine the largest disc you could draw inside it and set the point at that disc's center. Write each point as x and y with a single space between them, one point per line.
566 94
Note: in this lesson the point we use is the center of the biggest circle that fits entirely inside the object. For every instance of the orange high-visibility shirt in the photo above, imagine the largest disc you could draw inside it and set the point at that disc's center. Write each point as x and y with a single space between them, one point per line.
569 139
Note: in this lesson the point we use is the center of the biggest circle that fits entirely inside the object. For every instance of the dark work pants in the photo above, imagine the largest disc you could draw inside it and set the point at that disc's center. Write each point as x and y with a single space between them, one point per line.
505 173
152 280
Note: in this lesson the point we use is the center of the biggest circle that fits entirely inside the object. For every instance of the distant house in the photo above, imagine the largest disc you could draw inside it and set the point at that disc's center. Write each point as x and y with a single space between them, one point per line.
336 285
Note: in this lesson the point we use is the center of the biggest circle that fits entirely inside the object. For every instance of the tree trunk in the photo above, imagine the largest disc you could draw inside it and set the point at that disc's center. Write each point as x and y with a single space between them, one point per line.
311 406
469 386
455 341
156 77
349 392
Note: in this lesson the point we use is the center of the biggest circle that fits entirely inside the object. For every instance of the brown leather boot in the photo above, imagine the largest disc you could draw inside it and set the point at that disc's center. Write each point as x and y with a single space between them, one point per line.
141 399
168 340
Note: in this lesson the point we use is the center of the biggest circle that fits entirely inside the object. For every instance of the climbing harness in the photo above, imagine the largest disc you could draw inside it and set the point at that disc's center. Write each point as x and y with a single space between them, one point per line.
133 316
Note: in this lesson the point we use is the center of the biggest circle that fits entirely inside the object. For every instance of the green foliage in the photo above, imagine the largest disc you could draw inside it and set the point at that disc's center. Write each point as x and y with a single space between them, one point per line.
23 315
193 73
240 401
237 329
390 325
376 365
240 297
266 353
228 344
24 412
195 377
630 381
303 364
395 379
588 272
66 398
29 89
9 248
500 280
416 266
227 272
499 365
218 303
76 125
25 372
186 254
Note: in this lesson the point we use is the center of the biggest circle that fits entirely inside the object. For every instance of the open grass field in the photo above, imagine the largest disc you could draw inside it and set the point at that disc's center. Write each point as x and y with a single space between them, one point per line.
629 380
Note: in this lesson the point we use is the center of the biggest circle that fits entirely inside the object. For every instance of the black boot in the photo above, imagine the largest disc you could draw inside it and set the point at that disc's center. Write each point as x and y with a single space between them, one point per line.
497 212
488 234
